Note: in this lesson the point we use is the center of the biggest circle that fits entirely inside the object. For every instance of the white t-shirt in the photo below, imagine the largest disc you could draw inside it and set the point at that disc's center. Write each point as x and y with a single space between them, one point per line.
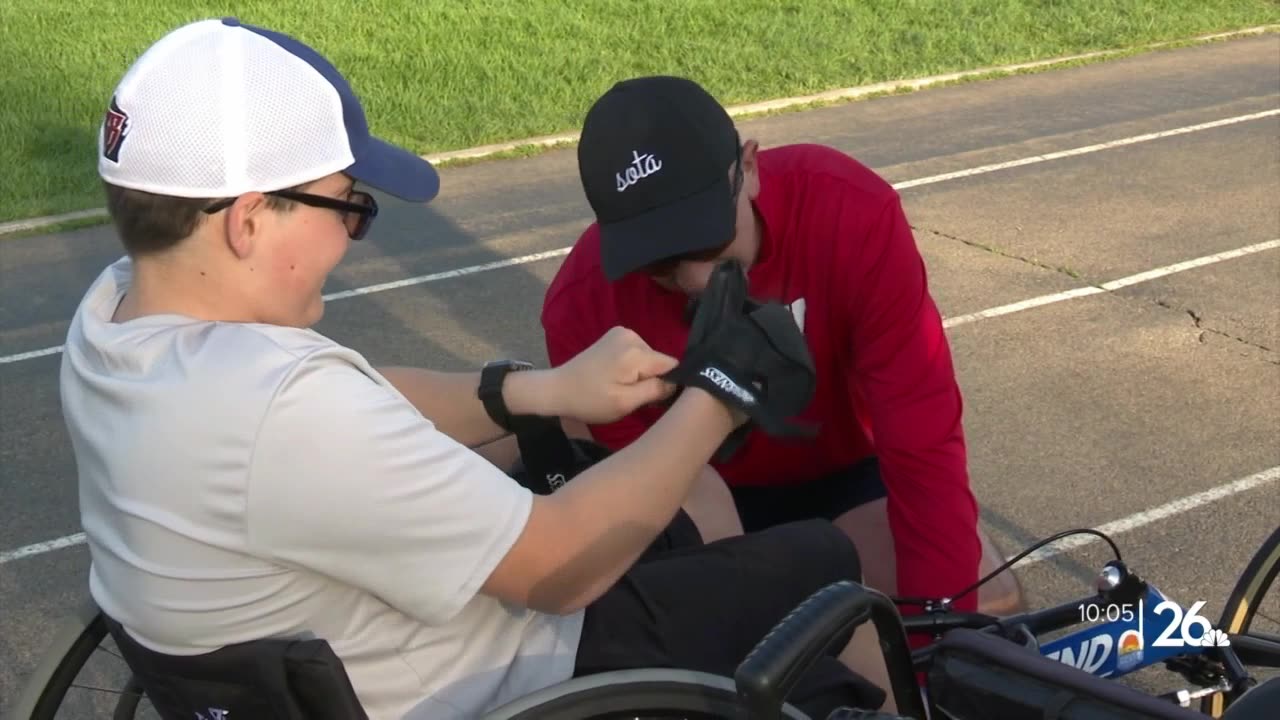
242 481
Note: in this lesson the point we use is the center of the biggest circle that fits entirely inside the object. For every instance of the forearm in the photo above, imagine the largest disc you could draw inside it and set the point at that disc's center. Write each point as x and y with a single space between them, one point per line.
932 510
503 452
934 519
613 511
449 400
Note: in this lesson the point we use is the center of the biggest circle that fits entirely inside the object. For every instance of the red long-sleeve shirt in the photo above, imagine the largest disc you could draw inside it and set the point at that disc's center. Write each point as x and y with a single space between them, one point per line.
837 247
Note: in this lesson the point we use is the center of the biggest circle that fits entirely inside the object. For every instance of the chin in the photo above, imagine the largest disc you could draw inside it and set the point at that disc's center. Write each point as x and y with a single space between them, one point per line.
307 316
313 317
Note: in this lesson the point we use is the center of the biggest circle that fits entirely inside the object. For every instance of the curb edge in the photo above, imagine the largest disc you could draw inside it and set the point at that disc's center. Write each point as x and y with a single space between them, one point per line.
736 111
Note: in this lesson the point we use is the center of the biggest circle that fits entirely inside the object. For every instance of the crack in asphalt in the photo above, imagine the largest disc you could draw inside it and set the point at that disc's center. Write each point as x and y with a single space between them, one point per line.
1196 318
1069 272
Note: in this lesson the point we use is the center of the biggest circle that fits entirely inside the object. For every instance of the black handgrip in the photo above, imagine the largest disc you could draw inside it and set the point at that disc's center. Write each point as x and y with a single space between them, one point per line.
774 666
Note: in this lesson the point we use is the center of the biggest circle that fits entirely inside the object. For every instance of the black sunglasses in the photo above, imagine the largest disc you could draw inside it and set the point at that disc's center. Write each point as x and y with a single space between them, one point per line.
357 216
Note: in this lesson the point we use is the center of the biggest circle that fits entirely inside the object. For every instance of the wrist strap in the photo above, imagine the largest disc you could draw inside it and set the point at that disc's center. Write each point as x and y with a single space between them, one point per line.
492 377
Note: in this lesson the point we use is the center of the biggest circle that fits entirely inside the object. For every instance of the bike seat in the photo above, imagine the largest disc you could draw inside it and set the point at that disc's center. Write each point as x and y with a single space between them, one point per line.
269 678
978 675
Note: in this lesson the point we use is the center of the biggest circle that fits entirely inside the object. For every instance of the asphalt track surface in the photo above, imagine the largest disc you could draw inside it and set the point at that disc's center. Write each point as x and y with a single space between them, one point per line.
1149 406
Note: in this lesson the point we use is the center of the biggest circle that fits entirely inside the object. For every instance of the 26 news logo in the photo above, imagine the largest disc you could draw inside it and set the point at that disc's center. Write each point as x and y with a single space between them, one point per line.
1123 637
1179 629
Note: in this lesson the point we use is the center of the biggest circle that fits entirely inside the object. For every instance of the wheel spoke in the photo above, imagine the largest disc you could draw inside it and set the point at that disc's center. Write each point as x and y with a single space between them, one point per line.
102 690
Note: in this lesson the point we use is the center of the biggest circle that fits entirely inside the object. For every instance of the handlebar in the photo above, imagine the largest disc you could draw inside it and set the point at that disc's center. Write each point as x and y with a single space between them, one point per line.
774 666
1037 622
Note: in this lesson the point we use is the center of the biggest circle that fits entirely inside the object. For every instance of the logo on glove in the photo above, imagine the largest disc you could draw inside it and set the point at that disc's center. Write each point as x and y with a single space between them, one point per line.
726 383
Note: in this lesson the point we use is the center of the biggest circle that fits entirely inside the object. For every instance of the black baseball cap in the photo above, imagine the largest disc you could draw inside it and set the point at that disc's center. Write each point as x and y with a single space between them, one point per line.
654 157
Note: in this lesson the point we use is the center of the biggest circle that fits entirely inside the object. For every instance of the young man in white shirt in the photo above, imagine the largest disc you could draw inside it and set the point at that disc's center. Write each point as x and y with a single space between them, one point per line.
244 477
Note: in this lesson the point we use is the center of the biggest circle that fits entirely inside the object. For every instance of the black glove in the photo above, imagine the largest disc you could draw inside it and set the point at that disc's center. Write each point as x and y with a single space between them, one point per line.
751 355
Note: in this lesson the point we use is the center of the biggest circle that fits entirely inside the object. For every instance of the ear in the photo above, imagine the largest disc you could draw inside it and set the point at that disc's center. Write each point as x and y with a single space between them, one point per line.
750 176
246 221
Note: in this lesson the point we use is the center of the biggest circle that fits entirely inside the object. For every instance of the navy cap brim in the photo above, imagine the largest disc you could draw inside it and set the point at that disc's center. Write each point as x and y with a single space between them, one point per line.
396 171
701 221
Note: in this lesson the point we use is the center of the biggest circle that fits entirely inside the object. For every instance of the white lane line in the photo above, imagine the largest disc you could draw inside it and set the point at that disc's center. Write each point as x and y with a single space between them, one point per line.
1109 286
41 548
1119 526
1189 264
365 290
948 323
1019 306
1088 149
1113 528
1156 514
472 269
30 355
446 274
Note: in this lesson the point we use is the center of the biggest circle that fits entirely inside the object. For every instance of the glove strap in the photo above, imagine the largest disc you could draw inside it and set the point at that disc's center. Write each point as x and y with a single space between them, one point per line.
721 379
726 382
545 452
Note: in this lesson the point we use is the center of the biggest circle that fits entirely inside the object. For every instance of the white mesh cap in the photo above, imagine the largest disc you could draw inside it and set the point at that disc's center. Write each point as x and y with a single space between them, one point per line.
217 108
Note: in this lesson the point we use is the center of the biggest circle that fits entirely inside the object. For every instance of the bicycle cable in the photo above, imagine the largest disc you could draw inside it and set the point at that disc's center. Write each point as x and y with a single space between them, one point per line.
925 602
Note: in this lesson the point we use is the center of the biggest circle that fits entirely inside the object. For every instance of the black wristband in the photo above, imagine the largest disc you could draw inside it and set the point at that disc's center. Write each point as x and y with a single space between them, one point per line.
492 377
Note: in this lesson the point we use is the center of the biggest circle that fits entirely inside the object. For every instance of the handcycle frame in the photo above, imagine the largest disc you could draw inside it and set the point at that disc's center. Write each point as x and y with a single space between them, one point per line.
767 675
1096 649
1130 605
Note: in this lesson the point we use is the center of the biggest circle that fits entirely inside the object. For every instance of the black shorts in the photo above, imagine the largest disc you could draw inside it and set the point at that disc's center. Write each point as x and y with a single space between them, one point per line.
703 607
827 497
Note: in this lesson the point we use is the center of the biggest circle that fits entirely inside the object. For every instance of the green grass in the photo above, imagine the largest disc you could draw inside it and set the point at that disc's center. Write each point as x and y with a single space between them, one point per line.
439 75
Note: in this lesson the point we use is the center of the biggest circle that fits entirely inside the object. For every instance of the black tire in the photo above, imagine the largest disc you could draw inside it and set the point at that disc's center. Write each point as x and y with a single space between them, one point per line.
1242 605
71 648
74 644
649 694
127 705
646 694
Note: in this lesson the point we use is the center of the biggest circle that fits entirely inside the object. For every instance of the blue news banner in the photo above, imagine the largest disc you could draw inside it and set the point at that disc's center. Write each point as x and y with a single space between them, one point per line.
1123 637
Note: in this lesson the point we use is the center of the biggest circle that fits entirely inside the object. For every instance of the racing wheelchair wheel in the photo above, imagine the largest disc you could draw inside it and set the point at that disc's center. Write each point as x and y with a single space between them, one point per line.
760 683
1245 605
78 639
758 687
643 694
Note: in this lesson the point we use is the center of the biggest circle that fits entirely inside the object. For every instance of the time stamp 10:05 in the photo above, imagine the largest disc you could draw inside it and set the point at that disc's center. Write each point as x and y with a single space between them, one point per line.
1120 638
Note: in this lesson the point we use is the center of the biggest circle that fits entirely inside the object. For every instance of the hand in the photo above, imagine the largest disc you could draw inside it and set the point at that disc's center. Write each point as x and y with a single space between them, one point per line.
612 378
751 355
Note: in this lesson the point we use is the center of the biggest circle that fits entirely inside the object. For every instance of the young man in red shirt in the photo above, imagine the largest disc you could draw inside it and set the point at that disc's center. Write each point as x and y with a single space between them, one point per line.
675 190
